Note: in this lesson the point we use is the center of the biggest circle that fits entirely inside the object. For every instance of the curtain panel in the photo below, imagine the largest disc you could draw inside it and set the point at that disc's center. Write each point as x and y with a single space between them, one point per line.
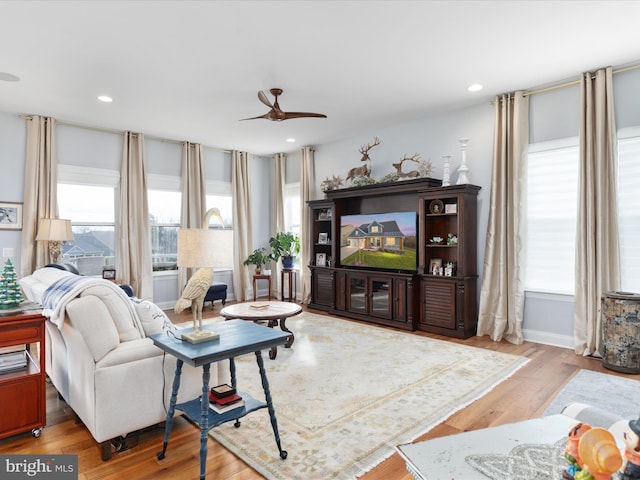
243 234
40 191
307 180
501 311
280 168
597 269
133 234
194 196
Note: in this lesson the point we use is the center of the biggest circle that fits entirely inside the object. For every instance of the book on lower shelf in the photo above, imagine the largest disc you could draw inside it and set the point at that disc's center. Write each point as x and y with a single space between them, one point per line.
13 360
216 407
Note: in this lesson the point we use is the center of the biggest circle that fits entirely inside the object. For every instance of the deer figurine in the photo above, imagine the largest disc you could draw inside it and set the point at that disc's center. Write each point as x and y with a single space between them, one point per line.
365 170
413 173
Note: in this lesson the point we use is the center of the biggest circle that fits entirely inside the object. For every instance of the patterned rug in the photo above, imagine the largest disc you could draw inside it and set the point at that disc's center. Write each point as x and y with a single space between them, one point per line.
346 394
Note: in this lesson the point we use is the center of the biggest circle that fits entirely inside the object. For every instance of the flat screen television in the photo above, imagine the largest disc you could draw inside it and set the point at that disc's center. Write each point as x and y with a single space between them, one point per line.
379 241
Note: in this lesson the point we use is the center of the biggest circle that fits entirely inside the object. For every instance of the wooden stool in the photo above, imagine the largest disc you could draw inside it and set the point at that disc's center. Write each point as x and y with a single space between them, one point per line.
261 277
293 285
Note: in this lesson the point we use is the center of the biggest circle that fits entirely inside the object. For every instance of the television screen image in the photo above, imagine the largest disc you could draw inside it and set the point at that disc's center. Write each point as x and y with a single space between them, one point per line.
381 241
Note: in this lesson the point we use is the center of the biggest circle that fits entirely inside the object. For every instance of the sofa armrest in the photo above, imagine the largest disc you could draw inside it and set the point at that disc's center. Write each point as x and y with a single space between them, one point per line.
130 351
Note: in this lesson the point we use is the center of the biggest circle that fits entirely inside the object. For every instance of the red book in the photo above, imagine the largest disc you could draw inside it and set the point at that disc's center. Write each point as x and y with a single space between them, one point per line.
225 400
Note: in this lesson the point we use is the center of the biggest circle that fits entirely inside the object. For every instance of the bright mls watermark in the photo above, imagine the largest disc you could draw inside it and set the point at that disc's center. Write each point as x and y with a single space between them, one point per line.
51 467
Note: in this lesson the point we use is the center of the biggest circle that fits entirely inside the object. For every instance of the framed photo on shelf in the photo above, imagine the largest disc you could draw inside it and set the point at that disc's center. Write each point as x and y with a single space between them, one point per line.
328 213
436 207
321 259
323 215
450 208
323 238
10 216
109 274
435 266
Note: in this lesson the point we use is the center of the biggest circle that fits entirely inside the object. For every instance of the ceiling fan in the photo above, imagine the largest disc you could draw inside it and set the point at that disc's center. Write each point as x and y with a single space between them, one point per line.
276 114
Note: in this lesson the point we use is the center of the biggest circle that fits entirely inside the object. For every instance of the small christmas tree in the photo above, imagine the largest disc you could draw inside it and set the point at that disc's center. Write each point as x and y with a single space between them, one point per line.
10 295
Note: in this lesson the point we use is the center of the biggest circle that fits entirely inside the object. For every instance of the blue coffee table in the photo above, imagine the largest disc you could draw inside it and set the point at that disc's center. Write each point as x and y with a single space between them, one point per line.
237 337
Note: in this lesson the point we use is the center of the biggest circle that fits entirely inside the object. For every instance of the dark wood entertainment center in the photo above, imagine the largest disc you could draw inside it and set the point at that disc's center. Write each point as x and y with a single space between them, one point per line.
436 303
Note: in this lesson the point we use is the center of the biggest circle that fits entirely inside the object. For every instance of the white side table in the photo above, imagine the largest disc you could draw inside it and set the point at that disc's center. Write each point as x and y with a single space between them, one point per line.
444 458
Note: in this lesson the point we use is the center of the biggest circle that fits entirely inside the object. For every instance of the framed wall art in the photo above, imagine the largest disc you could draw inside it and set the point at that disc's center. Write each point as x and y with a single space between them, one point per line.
10 216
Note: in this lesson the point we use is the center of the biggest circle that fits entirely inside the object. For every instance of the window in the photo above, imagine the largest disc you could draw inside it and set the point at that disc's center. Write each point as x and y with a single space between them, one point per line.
292 216
91 211
164 220
552 196
628 208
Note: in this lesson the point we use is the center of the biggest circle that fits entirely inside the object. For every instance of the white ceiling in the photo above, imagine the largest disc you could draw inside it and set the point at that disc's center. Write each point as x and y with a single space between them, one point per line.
190 70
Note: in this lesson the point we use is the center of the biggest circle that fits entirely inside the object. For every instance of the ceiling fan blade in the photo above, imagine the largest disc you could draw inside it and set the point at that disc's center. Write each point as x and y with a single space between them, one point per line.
289 115
263 98
266 115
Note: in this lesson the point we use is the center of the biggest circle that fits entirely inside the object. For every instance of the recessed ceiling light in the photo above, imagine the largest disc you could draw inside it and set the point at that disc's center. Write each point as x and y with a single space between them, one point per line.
9 77
291 140
105 99
476 87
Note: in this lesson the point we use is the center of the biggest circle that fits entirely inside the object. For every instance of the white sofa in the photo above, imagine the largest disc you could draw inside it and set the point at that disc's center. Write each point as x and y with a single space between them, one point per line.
101 362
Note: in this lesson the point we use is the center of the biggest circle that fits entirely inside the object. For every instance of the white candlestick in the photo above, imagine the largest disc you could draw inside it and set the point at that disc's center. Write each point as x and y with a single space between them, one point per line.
463 169
446 179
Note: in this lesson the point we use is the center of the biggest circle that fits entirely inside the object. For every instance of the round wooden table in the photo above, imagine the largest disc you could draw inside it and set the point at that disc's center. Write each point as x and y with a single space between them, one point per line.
273 312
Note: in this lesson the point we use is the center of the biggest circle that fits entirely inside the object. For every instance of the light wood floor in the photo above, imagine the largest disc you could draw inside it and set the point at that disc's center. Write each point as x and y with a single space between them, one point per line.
525 395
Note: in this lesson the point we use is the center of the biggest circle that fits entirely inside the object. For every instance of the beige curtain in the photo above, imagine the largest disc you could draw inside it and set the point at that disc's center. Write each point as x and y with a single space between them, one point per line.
501 311
243 234
133 234
280 160
40 191
307 180
194 195
597 251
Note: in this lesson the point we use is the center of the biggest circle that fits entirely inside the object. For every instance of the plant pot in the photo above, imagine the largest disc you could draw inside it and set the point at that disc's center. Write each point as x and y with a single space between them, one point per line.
288 261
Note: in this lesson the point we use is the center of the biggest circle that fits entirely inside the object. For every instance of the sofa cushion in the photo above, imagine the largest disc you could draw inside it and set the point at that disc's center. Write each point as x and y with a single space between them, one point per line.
153 319
89 316
119 310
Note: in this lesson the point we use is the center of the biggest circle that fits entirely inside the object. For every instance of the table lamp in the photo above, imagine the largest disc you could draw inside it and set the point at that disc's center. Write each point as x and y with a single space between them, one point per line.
196 249
56 231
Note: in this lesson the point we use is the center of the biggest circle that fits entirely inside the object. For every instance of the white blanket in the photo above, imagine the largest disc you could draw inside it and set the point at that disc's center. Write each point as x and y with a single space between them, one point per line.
62 291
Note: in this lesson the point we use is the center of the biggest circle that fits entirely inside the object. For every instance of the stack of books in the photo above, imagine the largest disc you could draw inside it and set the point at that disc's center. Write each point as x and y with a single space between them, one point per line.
13 360
224 398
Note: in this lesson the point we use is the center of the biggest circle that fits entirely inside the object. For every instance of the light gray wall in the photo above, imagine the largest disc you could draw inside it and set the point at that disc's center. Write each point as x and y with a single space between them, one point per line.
13 140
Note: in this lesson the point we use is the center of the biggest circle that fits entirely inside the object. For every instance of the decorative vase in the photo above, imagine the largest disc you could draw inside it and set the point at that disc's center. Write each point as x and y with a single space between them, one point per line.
288 261
463 169
446 179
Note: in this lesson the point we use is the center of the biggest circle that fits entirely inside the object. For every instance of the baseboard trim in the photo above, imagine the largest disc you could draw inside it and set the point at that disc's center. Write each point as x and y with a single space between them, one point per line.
546 338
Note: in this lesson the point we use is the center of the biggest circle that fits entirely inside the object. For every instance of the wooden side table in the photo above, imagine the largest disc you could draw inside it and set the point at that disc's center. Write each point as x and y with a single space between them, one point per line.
255 281
292 279
22 391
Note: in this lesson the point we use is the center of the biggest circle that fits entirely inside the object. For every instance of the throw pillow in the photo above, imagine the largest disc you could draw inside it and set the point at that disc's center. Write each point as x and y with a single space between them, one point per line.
153 319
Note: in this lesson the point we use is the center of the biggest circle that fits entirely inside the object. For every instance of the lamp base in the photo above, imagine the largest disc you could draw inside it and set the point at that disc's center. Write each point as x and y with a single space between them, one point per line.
200 336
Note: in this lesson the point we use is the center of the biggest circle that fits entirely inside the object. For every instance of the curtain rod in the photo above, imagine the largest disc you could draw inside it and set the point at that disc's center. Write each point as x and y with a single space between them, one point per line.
574 82
120 132
568 84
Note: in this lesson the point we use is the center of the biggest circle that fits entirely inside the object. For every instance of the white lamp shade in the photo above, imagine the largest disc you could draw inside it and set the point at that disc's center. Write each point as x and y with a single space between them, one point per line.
196 248
54 230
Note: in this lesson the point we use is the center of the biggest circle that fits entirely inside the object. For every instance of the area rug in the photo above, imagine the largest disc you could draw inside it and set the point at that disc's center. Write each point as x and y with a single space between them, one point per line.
347 393
618 395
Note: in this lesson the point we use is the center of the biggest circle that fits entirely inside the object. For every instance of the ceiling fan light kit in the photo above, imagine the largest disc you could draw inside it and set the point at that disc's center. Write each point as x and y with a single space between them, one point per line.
276 114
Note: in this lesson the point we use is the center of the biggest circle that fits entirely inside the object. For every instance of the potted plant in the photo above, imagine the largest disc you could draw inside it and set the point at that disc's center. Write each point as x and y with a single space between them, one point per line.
259 258
285 245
